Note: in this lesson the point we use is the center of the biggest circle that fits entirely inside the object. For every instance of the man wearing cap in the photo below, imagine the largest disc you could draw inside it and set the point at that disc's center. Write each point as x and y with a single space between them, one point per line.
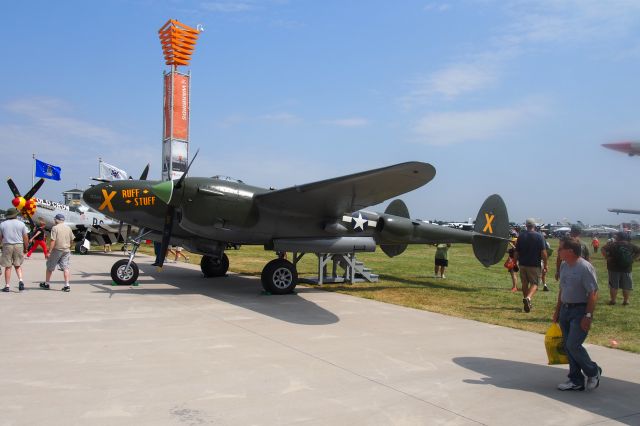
574 234
530 253
59 252
15 240
577 298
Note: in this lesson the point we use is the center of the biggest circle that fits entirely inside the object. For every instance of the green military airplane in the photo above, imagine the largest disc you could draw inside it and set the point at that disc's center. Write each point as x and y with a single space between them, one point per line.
208 215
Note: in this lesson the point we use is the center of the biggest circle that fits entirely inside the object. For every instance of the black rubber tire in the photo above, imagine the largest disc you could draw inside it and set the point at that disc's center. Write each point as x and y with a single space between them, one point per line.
279 276
121 276
80 248
214 267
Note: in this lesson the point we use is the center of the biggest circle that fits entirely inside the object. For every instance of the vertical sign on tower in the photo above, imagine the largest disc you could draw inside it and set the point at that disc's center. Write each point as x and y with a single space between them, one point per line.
178 42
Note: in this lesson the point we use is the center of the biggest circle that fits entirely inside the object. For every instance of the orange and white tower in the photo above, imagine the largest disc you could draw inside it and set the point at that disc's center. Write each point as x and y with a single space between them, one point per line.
178 43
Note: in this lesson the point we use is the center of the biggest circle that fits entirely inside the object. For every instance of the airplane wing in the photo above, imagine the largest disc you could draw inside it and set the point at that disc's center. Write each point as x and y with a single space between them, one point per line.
349 193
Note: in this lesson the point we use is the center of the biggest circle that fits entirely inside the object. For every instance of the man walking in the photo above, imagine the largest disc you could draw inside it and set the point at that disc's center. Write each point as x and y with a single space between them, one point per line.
574 312
59 252
574 234
15 240
620 255
530 253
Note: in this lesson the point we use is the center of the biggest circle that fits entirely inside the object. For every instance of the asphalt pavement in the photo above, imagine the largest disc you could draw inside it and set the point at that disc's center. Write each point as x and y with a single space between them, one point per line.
179 349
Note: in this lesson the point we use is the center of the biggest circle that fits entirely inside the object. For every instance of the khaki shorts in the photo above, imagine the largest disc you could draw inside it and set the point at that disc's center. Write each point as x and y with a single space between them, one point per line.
12 255
530 274
58 258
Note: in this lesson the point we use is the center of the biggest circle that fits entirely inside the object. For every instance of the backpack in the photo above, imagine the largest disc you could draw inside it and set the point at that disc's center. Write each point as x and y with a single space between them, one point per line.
623 255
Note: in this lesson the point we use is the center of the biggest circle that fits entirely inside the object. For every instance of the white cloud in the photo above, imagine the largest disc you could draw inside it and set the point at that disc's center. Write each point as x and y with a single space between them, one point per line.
349 122
437 7
281 117
50 119
533 24
555 21
453 81
450 128
227 7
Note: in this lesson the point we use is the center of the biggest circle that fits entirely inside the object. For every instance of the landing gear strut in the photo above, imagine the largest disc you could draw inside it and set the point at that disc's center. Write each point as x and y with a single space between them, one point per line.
125 271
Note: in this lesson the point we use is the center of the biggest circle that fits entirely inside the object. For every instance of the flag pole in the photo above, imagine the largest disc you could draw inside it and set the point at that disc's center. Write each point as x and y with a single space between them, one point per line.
33 168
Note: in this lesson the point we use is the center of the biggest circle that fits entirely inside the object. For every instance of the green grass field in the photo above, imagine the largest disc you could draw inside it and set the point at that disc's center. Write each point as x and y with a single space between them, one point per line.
470 290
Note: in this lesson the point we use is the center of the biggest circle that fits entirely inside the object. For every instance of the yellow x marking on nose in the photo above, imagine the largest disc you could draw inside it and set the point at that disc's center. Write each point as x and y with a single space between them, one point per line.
489 218
107 200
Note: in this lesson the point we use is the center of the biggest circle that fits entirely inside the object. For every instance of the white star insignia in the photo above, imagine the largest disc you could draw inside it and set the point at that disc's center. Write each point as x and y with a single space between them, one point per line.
358 222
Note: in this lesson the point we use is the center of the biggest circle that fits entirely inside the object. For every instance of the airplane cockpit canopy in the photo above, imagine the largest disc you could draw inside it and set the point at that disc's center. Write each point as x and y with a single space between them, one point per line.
227 178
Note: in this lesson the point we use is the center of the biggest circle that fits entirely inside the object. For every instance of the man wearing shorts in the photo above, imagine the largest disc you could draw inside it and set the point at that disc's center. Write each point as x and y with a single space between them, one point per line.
15 240
619 268
59 252
441 260
530 252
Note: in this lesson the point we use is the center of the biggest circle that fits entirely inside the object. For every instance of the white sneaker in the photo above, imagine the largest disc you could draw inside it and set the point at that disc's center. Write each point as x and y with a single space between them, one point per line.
594 382
570 386
443 276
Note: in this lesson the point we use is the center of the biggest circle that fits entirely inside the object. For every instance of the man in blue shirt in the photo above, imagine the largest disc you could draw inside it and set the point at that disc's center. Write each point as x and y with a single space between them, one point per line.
530 252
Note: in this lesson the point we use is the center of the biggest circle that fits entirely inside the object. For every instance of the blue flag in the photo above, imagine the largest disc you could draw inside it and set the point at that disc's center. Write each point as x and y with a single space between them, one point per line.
47 171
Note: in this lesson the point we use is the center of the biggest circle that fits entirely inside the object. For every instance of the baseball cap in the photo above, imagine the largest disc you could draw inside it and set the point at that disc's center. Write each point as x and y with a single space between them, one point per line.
11 213
59 216
531 222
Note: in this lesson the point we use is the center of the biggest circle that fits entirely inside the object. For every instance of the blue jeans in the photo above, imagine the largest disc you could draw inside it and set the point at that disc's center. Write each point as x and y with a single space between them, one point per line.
574 336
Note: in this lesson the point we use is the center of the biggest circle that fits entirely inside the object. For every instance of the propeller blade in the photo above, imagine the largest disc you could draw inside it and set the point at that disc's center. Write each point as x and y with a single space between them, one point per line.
144 174
166 234
13 187
31 222
33 190
120 231
182 178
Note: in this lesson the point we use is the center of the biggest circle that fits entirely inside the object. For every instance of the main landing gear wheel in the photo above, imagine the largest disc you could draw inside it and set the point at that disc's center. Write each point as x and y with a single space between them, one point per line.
80 248
122 275
279 276
214 266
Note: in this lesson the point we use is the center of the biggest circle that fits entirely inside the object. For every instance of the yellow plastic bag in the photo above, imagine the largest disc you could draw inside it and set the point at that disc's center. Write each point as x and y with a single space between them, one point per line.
554 344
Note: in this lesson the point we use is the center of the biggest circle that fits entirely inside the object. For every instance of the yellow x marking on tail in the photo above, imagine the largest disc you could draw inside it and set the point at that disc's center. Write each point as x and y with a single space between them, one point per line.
107 200
489 218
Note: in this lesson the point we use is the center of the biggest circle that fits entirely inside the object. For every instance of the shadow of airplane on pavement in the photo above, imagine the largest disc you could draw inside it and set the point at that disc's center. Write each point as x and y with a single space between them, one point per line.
238 290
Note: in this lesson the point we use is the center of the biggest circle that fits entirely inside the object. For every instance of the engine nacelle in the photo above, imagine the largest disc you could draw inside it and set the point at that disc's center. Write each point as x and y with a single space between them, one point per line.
394 228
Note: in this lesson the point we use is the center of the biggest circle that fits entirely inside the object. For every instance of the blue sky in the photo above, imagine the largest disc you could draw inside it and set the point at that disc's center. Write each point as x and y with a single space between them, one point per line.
509 97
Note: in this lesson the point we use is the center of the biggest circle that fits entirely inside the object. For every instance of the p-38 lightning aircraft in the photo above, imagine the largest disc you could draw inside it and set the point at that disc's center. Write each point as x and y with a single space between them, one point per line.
206 215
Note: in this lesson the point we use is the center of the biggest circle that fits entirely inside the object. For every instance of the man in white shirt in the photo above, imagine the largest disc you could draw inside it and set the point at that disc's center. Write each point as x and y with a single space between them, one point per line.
15 241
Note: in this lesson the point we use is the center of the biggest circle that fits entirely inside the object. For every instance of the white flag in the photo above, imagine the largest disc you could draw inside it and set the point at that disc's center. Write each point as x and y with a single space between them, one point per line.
109 172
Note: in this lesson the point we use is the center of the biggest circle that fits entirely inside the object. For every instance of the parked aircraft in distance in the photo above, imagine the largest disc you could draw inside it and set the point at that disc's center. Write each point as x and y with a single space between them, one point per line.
630 148
207 215
88 226
628 211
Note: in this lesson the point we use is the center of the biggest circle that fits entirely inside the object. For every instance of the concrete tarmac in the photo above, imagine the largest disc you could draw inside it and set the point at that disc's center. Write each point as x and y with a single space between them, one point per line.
183 350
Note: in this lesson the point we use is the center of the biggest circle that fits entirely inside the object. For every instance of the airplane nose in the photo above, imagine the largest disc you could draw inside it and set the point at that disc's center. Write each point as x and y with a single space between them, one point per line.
91 196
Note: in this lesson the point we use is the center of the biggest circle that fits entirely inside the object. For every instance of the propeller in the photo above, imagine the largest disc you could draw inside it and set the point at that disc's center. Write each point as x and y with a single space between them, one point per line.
26 205
170 215
145 172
